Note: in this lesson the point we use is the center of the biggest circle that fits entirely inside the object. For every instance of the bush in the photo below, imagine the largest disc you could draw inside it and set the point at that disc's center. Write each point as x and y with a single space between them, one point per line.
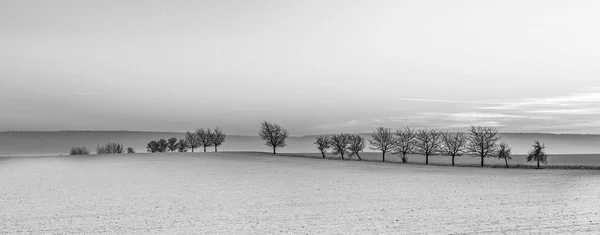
130 150
79 151
110 148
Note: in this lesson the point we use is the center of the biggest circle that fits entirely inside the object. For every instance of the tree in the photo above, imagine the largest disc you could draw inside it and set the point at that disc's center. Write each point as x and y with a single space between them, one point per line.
79 151
217 138
182 145
110 148
205 137
382 139
130 150
163 145
357 144
482 141
273 135
427 143
193 140
404 143
453 144
323 143
172 144
152 147
538 154
340 144
504 152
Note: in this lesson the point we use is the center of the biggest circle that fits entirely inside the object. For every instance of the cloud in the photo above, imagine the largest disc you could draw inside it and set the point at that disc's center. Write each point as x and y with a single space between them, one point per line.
585 111
444 101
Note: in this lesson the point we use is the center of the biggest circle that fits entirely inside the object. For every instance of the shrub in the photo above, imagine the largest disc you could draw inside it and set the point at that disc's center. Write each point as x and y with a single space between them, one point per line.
79 151
110 148
130 150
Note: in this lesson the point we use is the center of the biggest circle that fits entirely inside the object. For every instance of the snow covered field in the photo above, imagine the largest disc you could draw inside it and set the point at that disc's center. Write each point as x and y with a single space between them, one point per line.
253 193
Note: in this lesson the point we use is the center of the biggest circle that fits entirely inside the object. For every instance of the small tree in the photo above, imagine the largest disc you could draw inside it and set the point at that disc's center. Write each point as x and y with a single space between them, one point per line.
182 145
453 144
504 152
205 137
340 144
193 140
273 135
427 143
79 151
323 143
382 139
217 138
163 145
482 142
538 154
110 148
404 143
357 144
152 146
172 144
130 150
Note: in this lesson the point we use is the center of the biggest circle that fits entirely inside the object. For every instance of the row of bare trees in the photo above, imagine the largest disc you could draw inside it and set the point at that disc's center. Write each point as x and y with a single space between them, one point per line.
341 144
200 138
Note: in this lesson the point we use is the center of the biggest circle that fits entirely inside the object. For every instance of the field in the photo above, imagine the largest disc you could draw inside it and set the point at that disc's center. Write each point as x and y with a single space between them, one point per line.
255 193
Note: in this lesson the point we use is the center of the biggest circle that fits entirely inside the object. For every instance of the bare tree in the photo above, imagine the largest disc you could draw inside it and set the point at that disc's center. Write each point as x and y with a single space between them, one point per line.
340 144
538 154
382 139
217 138
205 137
453 144
79 151
427 143
404 143
193 140
482 142
273 135
357 144
163 145
172 145
182 145
504 152
323 143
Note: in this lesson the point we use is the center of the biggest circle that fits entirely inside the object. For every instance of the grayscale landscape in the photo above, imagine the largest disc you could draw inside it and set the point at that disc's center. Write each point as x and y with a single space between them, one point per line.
299 117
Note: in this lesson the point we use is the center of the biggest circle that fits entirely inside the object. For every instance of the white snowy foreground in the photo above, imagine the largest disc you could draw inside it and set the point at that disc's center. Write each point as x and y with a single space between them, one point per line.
252 193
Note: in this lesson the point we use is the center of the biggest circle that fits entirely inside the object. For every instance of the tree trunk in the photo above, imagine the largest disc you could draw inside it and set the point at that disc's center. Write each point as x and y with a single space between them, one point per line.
192 149
274 150
506 160
426 159
383 156
481 161
215 148
453 160
205 149
538 160
360 159
342 155
323 153
403 158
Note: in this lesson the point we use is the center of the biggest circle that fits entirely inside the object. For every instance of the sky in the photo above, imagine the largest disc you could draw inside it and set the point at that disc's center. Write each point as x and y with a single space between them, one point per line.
313 67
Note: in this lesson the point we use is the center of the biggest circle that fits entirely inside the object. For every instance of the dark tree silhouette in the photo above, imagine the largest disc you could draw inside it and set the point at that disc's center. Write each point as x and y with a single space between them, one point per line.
427 143
482 142
172 144
382 139
357 144
182 145
404 143
273 135
323 143
130 150
193 140
504 152
163 145
152 146
110 148
79 151
205 137
217 138
453 144
340 144
538 154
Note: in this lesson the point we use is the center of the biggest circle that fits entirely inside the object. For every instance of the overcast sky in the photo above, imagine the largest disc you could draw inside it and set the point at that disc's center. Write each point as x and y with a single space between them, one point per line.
312 66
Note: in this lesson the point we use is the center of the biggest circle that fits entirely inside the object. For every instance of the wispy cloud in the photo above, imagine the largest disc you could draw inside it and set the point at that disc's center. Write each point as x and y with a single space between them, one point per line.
446 101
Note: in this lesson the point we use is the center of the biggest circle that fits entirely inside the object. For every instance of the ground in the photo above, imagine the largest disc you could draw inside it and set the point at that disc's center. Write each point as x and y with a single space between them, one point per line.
254 193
